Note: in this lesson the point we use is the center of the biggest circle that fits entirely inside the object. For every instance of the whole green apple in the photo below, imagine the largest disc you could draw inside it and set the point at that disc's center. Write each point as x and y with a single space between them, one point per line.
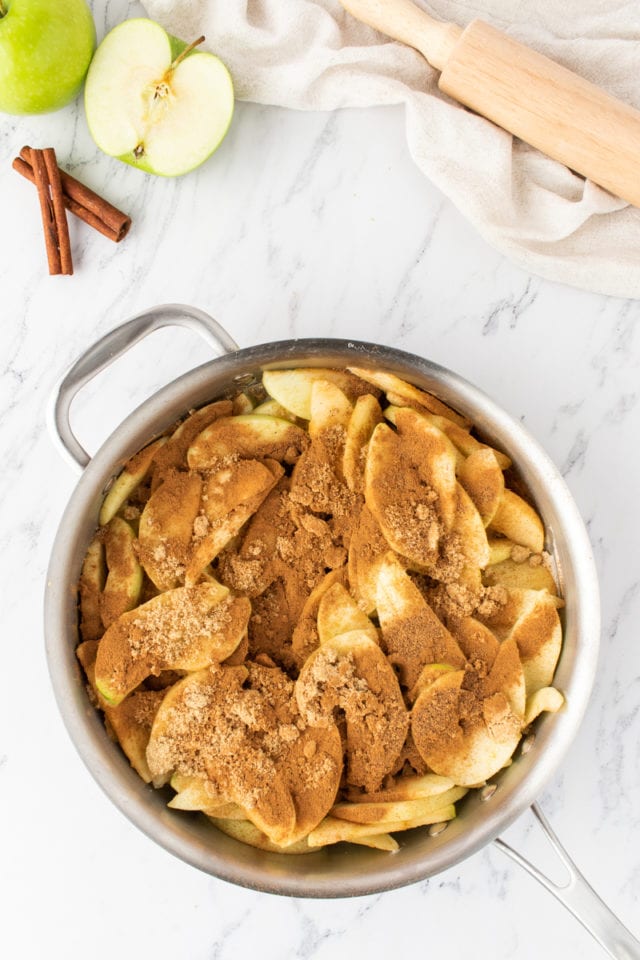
45 51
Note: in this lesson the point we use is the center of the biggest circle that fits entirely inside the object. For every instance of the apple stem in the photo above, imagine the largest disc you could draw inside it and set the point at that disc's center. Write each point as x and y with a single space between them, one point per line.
3 10
181 56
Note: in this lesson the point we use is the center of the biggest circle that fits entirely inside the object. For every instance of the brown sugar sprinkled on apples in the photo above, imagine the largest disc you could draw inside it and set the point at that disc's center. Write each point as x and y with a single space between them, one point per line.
330 681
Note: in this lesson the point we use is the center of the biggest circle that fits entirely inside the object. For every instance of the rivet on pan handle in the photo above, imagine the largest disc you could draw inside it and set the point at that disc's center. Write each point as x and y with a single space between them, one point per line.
114 345
580 898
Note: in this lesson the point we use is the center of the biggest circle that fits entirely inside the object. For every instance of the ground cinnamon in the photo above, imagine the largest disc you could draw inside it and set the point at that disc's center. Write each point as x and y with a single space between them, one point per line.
81 201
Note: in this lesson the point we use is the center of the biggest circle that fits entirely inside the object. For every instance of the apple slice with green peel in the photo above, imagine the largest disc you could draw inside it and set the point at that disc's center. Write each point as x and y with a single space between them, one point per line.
131 721
152 102
92 580
133 473
184 629
247 436
124 580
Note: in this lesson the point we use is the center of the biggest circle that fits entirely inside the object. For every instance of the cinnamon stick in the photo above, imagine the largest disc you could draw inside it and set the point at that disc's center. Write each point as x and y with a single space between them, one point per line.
59 213
50 222
82 201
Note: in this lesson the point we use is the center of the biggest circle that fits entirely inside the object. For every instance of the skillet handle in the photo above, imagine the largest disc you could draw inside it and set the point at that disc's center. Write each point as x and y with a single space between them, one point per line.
580 898
113 345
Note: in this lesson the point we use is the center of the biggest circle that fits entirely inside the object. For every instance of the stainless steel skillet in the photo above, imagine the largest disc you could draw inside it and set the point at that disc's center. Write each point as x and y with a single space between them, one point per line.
342 871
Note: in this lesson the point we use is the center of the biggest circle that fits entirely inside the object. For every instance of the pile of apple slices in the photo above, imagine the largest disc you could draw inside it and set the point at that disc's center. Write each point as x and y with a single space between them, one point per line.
363 696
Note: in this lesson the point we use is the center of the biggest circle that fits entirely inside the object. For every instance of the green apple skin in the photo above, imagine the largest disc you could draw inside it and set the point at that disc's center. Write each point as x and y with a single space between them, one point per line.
45 51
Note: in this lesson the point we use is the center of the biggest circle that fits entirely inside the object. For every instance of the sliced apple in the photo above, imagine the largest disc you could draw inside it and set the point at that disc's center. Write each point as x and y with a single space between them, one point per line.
183 629
482 478
330 408
429 673
133 473
251 436
364 419
518 521
305 638
247 832
476 640
406 788
394 810
230 496
411 488
351 672
462 734
469 530
499 548
545 699
131 721
166 528
173 455
242 405
333 830
124 580
196 793
338 613
153 103
271 408
530 617
523 576
210 725
92 580
389 381
412 633
367 548
292 388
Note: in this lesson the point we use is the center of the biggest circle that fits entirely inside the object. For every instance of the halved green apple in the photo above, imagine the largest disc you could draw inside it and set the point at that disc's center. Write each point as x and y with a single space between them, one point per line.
153 102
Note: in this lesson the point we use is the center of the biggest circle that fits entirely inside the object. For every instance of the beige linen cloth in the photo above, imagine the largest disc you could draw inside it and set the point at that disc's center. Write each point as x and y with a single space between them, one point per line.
312 55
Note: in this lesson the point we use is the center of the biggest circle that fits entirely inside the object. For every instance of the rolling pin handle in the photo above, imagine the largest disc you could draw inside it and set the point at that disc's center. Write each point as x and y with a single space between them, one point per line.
403 21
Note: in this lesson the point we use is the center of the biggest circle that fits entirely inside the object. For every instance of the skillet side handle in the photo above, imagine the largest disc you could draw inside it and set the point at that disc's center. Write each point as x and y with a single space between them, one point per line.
580 898
113 345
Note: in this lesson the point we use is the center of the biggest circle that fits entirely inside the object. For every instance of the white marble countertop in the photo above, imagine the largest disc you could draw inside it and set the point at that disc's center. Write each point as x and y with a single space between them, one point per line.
300 225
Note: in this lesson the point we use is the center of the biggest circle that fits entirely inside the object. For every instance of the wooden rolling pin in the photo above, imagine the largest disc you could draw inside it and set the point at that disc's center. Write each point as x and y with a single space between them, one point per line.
522 91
